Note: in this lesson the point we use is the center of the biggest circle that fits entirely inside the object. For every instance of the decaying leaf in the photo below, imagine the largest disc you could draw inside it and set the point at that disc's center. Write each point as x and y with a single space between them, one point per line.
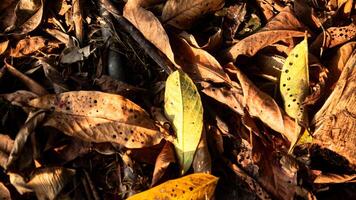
294 82
19 183
3 46
149 26
195 186
183 107
334 178
100 117
164 159
183 13
6 145
48 182
4 192
202 160
28 46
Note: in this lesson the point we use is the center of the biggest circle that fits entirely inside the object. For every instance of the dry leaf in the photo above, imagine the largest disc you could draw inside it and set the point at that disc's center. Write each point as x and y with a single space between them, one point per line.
149 26
30 83
250 45
28 46
264 107
6 145
3 46
195 186
78 19
164 159
335 121
48 182
19 183
100 117
198 63
182 13
110 85
202 160
20 97
184 109
4 192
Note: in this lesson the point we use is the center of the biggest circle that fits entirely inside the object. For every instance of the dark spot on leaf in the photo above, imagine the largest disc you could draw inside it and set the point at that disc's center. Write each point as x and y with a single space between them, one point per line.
132 140
114 136
288 78
284 85
97 110
288 89
341 34
290 95
130 110
135 116
142 142
67 108
294 100
191 188
286 71
288 105
131 131
290 63
296 55
95 101
120 133
126 139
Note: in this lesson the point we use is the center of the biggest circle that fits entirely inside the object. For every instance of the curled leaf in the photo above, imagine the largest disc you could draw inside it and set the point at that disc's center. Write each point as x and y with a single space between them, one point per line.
195 186
28 46
183 107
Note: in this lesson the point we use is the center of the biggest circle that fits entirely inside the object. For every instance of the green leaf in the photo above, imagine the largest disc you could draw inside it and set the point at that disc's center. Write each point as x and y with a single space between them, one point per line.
183 107
294 82
195 186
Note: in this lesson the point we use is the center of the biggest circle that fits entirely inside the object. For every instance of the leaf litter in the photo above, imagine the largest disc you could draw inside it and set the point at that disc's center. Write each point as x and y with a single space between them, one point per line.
177 99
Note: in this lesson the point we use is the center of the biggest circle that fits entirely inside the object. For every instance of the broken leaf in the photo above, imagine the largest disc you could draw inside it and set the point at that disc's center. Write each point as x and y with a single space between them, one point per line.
100 117
182 13
294 82
183 107
195 186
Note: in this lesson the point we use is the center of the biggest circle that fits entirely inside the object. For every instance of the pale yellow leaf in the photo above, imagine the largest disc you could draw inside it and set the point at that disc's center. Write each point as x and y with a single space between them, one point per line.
183 107
192 187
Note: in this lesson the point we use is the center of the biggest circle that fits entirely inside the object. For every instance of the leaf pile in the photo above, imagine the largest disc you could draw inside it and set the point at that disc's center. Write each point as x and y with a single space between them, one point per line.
177 99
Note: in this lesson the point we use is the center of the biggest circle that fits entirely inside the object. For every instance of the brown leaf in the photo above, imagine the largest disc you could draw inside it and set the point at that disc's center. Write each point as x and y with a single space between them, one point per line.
33 120
182 13
335 121
285 20
6 145
30 83
334 36
4 192
3 46
269 8
78 19
48 182
27 17
231 97
149 26
19 183
335 178
250 45
198 63
28 46
262 106
164 159
100 117
20 97
110 85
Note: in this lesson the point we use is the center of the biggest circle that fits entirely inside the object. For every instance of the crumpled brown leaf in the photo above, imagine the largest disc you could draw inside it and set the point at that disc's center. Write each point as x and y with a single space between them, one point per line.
100 117
202 159
335 178
6 145
182 13
28 46
4 192
164 159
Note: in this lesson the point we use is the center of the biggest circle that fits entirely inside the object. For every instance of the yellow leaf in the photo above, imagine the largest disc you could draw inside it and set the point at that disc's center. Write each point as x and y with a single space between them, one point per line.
294 81
183 107
191 187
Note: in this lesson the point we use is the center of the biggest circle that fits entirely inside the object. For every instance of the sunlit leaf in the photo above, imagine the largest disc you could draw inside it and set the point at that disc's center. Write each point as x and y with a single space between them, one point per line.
183 107
192 187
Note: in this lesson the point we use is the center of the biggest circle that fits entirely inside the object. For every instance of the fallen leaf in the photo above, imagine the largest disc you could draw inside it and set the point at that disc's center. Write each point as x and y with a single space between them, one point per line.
149 26
195 186
100 117
164 159
28 16
250 45
182 13
48 182
269 8
183 107
6 145
262 106
3 46
110 85
19 183
202 159
335 178
30 83
28 46
4 192
294 82
198 63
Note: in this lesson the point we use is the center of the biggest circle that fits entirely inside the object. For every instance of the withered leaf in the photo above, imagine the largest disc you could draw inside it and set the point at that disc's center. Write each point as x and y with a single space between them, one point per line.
198 63
100 117
3 46
149 26
4 192
6 145
202 160
28 46
250 45
48 182
261 105
164 159
182 13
